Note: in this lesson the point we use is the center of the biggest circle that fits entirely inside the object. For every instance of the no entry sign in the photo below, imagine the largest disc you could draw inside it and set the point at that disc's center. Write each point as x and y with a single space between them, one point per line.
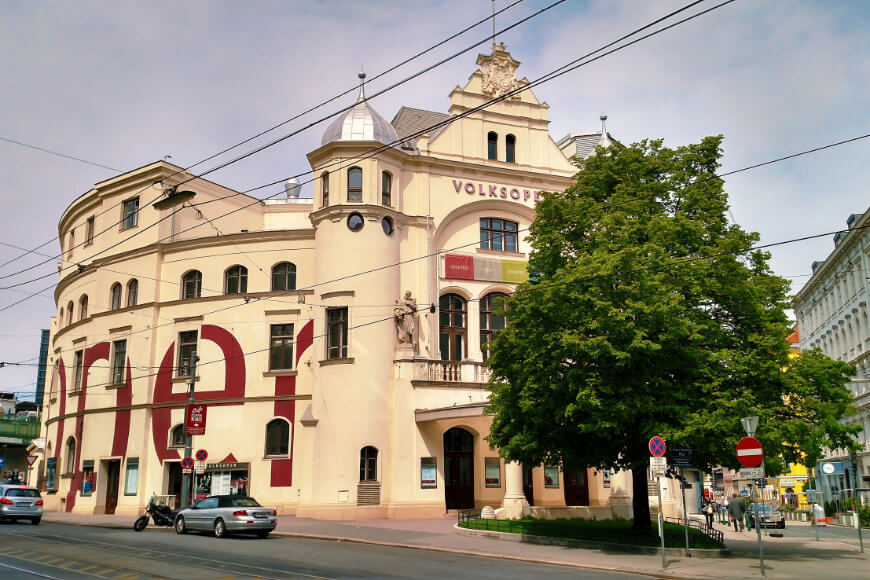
750 453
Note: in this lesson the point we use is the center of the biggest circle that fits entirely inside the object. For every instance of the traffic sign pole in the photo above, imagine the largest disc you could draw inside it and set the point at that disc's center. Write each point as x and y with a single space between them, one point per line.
750 453
186 479
685 509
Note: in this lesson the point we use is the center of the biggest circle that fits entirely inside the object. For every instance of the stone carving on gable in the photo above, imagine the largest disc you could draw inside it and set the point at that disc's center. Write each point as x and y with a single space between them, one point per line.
499 72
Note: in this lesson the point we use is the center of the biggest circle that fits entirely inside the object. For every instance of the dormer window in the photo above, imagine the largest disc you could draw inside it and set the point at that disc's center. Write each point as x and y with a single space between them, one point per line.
354 184
492 145
510 144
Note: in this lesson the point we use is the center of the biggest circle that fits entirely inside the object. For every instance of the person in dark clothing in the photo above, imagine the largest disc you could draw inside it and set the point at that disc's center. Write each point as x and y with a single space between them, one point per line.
735 506
708 513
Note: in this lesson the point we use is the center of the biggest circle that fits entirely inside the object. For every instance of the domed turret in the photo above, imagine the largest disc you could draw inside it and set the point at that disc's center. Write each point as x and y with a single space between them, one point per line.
361 123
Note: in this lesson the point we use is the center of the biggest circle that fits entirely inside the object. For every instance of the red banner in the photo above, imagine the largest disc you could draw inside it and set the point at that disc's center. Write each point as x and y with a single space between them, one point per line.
194 419
459 267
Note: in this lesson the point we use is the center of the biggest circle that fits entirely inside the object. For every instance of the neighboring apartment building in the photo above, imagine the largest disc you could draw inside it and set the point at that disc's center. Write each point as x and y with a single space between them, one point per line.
832 315
341 338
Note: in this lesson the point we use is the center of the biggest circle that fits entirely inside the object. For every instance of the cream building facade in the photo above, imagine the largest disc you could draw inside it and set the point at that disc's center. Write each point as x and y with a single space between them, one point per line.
832 315
341 339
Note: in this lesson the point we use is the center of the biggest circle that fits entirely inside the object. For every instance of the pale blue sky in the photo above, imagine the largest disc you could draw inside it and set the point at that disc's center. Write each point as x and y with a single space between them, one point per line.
124 83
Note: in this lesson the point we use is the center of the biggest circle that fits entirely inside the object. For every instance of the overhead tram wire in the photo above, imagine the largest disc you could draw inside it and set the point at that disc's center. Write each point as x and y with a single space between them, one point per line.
376 94
260 134
534 288
619 204
422 131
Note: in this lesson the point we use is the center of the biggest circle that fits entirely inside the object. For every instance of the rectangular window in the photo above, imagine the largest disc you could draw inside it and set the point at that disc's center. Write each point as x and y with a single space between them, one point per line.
79 370
497 234
281 347
130 216
551 476
50 473
492 471
354 184
131 478
428 473
336 345
386 189
88 478
186 348
72 244
119 353
89 231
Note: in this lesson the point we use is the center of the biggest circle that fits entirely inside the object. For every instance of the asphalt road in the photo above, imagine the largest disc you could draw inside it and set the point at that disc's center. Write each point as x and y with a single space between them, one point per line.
68 551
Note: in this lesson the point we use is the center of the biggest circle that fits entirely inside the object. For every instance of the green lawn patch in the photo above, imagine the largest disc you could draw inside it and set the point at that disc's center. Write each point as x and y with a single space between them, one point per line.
611 531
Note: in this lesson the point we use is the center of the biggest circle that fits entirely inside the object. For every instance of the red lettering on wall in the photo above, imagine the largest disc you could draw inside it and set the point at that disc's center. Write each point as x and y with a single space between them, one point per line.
469 188
234 385
457 185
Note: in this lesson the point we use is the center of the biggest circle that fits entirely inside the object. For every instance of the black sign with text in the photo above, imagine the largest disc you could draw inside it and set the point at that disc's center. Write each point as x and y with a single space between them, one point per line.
681 457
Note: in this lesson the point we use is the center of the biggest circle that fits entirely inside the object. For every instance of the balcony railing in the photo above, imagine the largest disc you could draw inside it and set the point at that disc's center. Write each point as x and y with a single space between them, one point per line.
445 371
23 430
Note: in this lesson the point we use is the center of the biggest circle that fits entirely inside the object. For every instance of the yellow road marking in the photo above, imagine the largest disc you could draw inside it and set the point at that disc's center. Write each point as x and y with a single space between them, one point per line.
106 571
128 575
91 567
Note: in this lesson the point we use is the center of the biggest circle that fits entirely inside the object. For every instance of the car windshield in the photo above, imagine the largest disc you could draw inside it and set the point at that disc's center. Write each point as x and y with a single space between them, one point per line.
763 509
17 492
245 502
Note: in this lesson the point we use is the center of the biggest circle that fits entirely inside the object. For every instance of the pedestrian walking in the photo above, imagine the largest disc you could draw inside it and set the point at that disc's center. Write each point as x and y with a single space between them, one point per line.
735 507
708 513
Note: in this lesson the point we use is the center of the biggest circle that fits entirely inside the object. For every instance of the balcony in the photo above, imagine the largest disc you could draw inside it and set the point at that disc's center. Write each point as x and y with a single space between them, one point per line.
458 373
18 432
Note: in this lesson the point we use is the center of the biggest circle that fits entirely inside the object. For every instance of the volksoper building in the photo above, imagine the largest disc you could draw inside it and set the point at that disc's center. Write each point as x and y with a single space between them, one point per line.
340 339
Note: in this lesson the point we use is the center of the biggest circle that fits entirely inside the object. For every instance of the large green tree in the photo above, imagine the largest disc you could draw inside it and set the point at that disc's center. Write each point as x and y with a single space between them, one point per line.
646 315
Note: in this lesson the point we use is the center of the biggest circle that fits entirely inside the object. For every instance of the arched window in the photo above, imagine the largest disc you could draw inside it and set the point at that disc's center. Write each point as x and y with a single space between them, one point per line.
177 438
386 188
69 313
236 280
132 292
116 295
277 437
191 284
284 276
452 320
510 149
60 318
492 145
70 455
368 464
354 184
490 319
324 187
83 307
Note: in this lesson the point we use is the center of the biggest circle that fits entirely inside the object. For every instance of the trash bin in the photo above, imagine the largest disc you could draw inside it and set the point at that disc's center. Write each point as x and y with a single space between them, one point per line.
819 515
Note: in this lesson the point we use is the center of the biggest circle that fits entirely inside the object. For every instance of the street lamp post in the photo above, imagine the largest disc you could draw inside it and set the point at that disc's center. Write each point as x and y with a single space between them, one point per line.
188 439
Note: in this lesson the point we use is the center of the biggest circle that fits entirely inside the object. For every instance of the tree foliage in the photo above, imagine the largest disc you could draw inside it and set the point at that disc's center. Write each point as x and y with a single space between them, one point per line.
648 316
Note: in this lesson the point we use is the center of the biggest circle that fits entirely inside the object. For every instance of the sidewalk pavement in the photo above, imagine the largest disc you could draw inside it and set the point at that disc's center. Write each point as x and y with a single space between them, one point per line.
784 557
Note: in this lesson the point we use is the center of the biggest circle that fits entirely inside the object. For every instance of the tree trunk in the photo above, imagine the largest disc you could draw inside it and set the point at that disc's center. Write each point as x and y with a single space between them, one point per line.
640 499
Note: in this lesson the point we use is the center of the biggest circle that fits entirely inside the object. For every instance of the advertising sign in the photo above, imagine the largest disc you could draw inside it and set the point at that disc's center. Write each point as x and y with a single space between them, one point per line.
194 419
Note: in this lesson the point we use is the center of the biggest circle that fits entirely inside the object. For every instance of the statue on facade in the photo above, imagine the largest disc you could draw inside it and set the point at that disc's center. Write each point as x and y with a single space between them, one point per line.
405 314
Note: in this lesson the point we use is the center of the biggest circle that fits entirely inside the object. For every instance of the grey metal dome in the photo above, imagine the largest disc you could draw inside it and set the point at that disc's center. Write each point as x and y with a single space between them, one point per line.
361 123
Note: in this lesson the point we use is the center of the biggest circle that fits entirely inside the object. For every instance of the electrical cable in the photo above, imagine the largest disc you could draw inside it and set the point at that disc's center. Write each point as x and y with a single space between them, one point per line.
508 94
311 109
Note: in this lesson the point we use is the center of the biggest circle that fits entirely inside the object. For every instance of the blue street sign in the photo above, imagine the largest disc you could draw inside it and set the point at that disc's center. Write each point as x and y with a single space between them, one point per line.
744 492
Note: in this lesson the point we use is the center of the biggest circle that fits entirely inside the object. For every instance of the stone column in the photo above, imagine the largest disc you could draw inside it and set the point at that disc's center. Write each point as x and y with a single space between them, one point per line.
514 503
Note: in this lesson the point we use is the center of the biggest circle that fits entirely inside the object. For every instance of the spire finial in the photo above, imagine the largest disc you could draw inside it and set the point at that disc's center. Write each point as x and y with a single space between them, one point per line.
362 86
493 25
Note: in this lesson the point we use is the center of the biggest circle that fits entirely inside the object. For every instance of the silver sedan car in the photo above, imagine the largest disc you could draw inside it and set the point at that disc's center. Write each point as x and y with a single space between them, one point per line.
19 502
227 514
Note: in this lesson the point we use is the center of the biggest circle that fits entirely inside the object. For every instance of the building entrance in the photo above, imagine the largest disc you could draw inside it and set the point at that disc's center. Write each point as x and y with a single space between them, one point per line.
458 469
173 487
528 485
576 486
113 477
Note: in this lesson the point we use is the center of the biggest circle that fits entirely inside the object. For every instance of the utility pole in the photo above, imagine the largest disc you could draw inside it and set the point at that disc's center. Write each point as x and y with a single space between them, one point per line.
188 439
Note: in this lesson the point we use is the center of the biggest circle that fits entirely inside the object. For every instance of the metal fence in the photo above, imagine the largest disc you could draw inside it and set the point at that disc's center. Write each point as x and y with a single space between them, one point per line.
702 527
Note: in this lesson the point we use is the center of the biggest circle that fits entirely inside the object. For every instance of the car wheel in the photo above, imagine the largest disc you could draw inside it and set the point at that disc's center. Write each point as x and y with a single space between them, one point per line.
180 527
220 529
263 534
35 521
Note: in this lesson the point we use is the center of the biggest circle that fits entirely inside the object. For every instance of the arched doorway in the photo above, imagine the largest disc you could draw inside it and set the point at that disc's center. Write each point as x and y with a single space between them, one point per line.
458 469
576 486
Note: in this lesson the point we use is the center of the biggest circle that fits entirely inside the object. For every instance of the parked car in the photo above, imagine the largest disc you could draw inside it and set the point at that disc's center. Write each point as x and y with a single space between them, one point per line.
19 502
227 514
770 518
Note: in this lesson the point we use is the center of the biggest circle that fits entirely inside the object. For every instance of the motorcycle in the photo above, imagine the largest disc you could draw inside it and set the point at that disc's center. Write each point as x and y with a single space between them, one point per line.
161 514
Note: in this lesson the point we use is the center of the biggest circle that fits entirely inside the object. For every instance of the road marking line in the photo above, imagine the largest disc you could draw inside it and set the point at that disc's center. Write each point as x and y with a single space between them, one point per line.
106 571
91 567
